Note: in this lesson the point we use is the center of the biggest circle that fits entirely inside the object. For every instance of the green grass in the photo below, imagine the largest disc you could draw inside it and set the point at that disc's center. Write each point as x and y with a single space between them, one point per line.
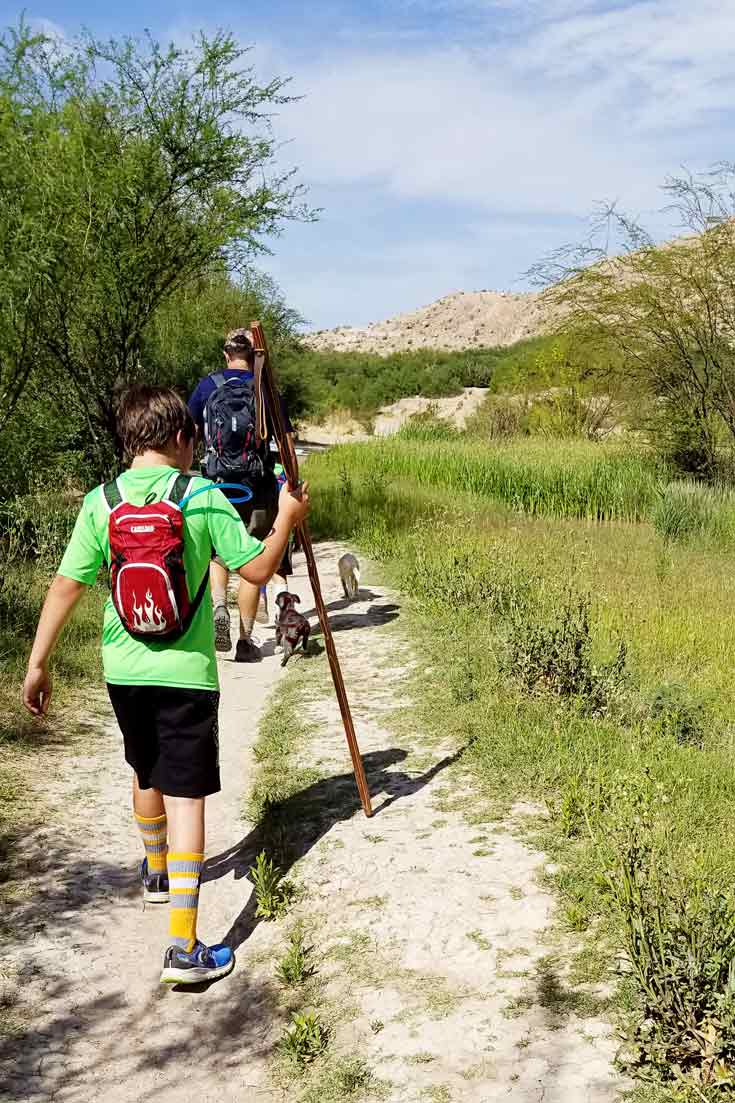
477 577
537 476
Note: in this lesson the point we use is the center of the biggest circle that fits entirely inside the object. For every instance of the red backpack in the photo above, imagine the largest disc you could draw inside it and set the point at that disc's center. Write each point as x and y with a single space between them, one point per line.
147 576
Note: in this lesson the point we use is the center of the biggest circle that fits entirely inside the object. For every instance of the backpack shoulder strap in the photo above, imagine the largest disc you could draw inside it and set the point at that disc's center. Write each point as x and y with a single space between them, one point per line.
196 601
218 379
177 489
113 495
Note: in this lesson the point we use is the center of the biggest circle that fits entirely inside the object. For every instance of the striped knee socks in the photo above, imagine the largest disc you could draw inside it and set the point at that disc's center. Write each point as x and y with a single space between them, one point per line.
153 833
184 870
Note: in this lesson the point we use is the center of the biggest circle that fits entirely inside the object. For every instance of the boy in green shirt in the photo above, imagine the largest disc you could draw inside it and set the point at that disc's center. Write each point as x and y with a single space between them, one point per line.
165 694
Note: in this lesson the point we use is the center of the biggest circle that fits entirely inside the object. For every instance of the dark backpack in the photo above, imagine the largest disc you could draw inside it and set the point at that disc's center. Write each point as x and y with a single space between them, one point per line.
232 431
147 577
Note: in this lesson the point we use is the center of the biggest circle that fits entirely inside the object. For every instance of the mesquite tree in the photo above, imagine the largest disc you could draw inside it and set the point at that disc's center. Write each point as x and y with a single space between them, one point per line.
150 167
668 310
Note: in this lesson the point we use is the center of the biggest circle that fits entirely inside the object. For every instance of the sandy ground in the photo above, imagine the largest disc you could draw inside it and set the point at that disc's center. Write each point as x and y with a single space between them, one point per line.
428 923
460 320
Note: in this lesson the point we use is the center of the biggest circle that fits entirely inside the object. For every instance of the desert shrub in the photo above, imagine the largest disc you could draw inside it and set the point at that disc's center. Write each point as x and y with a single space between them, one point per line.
499 418
427 426
680 944
559 414
554 655
37 527
685 509
675 714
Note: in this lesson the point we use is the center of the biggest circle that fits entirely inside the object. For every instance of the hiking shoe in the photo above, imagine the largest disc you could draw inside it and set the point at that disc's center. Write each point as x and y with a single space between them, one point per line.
222 640
203 963
155 885
247 652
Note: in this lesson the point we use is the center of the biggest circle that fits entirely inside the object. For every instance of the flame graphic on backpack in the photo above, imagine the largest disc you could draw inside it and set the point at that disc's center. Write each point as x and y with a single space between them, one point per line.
147 576
148 618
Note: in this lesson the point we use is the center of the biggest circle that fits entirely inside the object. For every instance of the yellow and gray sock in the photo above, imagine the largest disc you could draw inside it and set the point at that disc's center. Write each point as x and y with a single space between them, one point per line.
184 871
153 833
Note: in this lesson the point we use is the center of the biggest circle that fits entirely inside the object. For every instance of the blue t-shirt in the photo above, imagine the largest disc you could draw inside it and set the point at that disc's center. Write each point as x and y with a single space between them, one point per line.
205 387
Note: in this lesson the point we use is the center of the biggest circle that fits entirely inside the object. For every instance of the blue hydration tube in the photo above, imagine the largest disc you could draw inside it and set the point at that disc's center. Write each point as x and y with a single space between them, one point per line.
244 496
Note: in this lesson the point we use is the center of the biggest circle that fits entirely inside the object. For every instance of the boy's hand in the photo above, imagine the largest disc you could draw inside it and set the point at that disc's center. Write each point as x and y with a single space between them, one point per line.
37 690
294 505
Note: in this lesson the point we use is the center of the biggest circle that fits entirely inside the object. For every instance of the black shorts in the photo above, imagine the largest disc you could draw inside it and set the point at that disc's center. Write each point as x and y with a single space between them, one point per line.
171 737
259 514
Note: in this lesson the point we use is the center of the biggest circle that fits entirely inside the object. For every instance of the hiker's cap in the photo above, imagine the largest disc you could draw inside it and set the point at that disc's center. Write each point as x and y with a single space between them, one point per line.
239 340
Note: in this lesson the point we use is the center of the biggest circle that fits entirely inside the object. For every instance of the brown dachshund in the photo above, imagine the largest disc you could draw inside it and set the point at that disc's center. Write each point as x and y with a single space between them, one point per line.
291 626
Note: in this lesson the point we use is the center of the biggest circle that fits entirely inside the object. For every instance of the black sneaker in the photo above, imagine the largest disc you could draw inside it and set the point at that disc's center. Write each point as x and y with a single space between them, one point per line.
155 885
247 652
222 641
203 963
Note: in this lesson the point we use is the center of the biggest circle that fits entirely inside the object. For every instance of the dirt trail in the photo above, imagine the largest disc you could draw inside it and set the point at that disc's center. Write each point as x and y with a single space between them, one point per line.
435 969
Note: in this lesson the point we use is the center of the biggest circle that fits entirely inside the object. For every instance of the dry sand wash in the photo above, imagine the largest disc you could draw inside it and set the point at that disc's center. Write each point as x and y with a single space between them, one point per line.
422 961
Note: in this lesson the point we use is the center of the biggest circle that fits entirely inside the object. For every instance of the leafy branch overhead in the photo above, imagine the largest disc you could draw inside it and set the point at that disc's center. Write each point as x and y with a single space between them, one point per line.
668 310
151 168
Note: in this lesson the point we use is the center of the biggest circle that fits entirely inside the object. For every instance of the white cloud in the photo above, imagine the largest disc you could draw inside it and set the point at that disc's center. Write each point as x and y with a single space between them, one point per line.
588 104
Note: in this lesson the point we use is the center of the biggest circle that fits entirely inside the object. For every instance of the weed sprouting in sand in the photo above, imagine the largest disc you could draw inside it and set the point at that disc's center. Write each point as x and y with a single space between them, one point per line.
295 966
272 892
305 1039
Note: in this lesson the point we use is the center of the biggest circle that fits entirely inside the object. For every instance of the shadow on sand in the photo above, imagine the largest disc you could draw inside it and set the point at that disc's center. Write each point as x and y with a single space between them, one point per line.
290 828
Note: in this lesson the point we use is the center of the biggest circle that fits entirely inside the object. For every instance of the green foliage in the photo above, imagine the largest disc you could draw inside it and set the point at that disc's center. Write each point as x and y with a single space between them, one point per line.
675 714
680 941
272 892
344 1078
595 482
185 338
687 509
555 656
294 968
481 572
305 1040
321 382
37 526
666 309
157 168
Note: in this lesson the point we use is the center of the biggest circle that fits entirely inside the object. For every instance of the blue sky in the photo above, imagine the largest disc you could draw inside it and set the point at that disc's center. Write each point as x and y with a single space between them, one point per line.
451 143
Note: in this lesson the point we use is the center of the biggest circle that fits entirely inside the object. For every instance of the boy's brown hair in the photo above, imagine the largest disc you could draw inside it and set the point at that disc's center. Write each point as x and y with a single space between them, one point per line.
149 417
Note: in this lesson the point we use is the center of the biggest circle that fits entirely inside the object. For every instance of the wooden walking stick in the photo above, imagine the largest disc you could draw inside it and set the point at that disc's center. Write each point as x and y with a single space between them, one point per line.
265 386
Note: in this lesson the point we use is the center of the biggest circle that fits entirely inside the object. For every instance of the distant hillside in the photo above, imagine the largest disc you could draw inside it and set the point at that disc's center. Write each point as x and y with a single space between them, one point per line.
461 320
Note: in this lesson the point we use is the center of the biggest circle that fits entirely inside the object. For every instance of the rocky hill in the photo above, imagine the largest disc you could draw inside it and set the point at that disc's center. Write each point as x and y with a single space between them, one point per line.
463 319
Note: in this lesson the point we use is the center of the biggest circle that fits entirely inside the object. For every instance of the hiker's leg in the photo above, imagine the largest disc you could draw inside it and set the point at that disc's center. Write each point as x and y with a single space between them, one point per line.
185 857
218 576
259 516
150 816
248 597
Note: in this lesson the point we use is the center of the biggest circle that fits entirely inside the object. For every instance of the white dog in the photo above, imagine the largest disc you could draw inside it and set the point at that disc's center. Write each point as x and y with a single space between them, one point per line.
349 573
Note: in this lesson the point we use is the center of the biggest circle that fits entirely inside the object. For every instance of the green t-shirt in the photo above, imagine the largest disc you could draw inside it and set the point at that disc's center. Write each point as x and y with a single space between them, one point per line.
209 521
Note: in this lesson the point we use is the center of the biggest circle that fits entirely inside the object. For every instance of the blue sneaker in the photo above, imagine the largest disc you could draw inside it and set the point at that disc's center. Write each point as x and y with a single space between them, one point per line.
155 885
203 963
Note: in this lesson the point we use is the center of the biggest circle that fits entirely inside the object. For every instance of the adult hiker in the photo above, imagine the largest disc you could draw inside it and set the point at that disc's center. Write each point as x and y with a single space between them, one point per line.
154 527
226 406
